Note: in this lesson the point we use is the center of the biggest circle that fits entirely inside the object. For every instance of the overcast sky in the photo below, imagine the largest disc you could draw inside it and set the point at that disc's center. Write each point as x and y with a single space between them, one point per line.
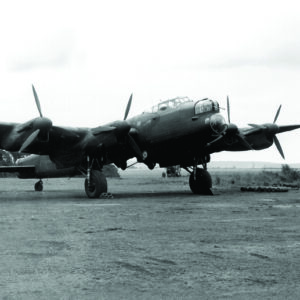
85 58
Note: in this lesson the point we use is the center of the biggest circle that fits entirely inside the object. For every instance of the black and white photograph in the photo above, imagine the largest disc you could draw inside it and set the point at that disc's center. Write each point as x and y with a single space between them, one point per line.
149 149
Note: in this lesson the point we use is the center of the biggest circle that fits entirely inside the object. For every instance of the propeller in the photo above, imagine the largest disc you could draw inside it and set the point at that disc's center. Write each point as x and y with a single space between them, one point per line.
272 129
41 125
131 141
123 130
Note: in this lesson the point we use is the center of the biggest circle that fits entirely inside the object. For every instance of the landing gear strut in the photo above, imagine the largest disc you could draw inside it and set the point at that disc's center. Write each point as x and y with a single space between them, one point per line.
38 187
200 181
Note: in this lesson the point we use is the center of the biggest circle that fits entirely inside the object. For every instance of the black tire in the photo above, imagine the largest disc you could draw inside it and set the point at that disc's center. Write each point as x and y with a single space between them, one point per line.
38 187
202 184
98 184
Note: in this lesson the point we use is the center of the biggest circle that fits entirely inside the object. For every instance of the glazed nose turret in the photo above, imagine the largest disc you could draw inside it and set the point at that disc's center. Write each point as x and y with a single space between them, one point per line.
217 123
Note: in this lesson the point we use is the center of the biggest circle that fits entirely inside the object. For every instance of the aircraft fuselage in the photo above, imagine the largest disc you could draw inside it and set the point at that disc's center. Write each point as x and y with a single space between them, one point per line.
178 135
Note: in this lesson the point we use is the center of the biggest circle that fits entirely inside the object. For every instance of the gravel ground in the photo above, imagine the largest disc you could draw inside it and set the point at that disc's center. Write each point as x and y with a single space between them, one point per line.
153 240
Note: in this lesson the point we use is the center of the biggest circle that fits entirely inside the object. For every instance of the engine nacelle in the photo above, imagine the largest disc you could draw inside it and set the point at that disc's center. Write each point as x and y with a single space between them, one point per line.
261 141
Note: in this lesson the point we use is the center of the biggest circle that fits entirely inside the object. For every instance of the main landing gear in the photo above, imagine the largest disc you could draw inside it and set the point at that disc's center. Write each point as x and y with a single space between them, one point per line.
200 182
95 183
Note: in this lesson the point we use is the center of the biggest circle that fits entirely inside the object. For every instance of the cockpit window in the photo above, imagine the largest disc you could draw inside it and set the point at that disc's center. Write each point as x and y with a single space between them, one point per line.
206 105
171 103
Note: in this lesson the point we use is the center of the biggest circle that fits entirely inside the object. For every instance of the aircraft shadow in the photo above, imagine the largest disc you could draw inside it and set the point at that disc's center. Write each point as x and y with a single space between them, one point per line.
71 195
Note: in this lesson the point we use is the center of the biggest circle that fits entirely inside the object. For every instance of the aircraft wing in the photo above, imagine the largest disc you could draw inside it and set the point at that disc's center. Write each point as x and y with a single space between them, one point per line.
6 129
16 169
255 137
19 137
69 146
66 146
69 134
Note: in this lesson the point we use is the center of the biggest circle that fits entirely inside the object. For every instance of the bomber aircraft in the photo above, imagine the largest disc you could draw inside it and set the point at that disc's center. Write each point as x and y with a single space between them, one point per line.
177 131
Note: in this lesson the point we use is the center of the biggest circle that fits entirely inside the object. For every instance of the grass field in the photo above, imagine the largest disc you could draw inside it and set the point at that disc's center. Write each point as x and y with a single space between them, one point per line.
153 240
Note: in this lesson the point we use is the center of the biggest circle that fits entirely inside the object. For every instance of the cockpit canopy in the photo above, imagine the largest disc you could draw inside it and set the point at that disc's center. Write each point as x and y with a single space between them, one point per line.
206 105
170 103
201 106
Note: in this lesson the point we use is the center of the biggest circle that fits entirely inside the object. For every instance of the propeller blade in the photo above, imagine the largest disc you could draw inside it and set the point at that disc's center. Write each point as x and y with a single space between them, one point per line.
244 142
215 140
29 140
228 109
136 149
277 114
278 146
37 101
128 107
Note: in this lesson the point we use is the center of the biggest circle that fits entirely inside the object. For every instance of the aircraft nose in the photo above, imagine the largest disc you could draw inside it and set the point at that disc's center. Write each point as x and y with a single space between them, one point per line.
217 123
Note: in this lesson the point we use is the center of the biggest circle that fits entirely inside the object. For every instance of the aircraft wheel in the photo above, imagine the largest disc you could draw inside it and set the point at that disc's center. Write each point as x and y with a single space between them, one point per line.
38 187
98 184
202 184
